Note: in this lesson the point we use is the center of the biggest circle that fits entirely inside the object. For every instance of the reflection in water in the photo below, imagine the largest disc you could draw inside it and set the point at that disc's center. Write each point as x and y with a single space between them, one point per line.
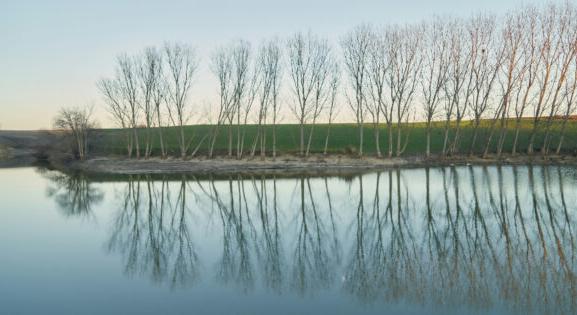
480 237
75 195
152 232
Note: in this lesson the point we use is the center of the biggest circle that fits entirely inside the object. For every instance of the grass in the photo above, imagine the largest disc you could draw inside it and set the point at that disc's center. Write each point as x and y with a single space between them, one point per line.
344 138
3 152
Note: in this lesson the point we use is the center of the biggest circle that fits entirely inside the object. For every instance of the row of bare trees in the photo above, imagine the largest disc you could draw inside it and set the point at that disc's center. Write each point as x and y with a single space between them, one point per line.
482 68
153 87
491 75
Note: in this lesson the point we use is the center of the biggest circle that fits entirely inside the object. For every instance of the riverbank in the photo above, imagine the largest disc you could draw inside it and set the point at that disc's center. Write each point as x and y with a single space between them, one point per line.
284 165
25 148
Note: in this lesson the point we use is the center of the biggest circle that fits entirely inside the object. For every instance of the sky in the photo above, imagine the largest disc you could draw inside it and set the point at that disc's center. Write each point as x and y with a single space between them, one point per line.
52 53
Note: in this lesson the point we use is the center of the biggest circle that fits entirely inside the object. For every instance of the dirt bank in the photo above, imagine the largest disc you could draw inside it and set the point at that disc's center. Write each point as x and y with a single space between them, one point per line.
337 165
23 148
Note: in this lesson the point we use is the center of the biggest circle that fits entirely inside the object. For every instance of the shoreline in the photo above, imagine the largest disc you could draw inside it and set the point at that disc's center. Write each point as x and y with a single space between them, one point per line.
41 148
289 165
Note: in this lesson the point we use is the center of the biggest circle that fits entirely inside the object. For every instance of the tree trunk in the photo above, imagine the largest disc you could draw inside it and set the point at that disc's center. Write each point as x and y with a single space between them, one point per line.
516 136
446 138
135 133
198 146
147 143
377 141
532 137
274 140
310 139
213 141
302 138
547 137
253 149
230 139
128 143
238 139
327 139
361 139
455 145
241 150
390 136
399 139
162 149
491 133
475 135
561 135
428 131
502 138
263 143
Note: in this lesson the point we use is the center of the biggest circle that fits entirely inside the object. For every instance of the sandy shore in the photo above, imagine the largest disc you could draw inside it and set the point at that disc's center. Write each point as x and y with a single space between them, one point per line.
289 164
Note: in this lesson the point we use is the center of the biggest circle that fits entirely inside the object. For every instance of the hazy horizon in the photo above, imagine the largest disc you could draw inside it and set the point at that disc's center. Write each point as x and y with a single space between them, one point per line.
56 51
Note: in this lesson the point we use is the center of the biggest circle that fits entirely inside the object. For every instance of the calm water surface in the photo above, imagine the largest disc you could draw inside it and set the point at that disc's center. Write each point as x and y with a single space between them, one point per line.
475 240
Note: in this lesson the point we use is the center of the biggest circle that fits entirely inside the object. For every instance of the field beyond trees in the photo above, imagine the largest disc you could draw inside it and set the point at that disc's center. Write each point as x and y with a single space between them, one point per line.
343 139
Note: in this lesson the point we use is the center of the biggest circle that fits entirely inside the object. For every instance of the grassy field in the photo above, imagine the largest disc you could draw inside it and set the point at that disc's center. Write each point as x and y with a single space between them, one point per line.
343 139
3 152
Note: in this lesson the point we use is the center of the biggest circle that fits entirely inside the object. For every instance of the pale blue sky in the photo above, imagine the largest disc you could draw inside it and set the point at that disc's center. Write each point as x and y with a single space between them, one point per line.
53 52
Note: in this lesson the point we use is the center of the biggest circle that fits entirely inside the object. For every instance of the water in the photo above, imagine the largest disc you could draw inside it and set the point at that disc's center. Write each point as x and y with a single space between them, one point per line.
475 240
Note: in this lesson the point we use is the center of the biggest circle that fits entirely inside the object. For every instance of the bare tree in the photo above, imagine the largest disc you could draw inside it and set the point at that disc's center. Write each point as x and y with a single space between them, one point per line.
76 122
530 67
522 68
566 33
478 31
322 91
356 47
549 53
275 65
332 110
232 66
377 72
159 98
222 68
458 69
435 71
117 107
251 95
264 76
268 72
150 79
128 86
486 57
403 50
122 95
569 101
308 56
182 65
241 53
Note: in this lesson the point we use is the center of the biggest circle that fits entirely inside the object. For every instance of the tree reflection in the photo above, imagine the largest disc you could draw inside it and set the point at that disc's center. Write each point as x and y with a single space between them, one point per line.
314 255
269 247
236 265
74 194
151 230
480 237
